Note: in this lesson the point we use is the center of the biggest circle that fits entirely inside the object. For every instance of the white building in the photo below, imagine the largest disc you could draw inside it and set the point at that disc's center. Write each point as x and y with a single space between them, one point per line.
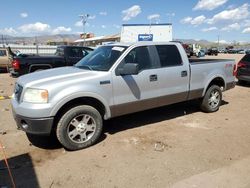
146 32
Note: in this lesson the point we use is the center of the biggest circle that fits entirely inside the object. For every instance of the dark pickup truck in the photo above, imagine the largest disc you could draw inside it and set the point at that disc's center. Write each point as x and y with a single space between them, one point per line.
64 56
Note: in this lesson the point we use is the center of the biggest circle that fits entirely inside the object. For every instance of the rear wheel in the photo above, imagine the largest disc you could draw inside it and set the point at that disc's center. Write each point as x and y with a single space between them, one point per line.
79 127
212 99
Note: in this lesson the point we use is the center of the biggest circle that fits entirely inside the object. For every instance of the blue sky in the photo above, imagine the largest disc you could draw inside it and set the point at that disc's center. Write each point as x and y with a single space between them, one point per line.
193 19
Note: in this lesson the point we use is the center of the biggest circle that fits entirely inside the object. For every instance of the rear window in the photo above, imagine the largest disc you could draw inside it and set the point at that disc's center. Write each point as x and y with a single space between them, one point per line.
246 58
169 55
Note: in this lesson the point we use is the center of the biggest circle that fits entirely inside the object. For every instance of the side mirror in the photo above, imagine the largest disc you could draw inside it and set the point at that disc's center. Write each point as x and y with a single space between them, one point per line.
128 69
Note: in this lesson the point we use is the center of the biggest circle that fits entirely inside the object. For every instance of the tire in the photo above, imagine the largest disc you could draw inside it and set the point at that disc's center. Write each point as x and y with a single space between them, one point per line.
79 127
212 100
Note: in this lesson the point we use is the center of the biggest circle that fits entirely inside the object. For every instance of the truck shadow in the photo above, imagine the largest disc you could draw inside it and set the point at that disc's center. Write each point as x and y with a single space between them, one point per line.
44 142
147 117
23 172
126 122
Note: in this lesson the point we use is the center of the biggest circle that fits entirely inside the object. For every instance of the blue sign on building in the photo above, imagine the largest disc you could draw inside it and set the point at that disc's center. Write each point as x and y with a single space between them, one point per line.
145 37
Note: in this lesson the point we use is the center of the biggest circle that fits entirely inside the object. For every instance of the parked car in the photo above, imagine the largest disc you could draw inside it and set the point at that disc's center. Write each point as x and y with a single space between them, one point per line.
241 52
232 51
4 58
202 53
115 80
212 51
243 69
64 56
247 51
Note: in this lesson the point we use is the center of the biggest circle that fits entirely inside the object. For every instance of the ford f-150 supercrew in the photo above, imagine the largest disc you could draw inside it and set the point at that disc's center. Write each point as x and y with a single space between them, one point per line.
115 80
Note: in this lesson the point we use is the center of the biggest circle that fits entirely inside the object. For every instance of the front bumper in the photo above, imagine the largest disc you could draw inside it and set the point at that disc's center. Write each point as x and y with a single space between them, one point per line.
41 126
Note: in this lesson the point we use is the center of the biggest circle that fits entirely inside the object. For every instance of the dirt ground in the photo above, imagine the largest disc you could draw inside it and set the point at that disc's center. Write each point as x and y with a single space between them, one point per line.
175 146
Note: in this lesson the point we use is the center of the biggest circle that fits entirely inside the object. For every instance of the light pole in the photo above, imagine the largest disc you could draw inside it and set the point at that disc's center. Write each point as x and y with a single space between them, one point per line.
84 18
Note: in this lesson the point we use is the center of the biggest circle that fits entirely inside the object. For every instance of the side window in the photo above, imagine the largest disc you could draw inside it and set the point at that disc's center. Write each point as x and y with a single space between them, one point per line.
169 55
3 53
139 55
76 52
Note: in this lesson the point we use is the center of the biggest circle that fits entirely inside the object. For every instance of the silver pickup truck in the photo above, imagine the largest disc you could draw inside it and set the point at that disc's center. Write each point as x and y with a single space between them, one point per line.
112 81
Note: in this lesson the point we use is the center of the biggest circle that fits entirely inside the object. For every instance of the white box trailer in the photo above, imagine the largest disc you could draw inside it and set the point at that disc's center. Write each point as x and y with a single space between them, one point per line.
146 32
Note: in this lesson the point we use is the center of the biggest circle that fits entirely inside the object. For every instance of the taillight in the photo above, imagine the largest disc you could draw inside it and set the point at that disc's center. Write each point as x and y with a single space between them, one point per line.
16 64
241 64
235 70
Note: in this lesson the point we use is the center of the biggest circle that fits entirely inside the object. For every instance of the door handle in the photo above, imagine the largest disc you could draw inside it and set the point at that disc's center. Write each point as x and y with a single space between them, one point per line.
153 78
184 73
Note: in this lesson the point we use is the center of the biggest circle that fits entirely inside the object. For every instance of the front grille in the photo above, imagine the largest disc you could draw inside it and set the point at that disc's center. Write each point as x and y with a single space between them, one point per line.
18 92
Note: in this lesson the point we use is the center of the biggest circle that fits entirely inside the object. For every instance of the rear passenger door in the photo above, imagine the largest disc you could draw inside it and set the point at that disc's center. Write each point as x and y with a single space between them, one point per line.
173 74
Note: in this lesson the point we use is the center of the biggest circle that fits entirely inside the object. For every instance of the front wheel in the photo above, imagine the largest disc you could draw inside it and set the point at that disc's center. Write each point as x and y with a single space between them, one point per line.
79 127
212 100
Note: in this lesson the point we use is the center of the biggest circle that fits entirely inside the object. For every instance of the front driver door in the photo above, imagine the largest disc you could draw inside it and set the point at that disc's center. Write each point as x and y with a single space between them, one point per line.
136 92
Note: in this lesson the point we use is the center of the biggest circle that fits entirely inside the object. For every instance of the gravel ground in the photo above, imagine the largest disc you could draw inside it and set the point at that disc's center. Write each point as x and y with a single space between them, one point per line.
175 146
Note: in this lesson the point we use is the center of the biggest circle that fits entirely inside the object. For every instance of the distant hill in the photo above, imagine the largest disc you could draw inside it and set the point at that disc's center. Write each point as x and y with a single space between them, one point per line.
192 41
69 38
40 39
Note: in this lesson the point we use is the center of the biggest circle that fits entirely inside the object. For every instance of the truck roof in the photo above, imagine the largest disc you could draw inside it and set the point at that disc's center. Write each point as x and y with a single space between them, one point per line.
146 43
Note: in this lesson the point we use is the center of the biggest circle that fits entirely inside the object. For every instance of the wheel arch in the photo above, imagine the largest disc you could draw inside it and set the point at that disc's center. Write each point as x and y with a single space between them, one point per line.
91 101
217 80
34 67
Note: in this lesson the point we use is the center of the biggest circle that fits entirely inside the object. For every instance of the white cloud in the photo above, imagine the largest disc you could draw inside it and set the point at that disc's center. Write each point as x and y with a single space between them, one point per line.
186 20
246 30
37 27
78 24
154 16
246 23
131 12
198 20
194 21
92 17
231 27
222 41
209 4
61 29
104 26
8 31
231 15
24 14
209 29
103 13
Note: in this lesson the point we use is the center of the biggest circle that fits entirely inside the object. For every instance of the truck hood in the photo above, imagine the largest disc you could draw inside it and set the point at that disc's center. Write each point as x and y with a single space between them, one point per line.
56 75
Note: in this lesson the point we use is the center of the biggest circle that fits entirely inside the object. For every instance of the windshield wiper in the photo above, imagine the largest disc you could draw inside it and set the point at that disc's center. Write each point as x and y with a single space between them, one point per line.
84 66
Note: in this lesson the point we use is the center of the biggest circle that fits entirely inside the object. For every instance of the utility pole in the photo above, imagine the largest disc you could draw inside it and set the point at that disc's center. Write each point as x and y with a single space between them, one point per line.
37 52
84 18
2 40
218 40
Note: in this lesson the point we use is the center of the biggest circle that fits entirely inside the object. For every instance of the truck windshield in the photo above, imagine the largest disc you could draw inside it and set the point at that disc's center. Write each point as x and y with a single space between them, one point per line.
101 59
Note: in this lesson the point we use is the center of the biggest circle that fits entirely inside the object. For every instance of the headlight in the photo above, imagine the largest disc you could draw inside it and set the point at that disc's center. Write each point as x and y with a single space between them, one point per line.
36 95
